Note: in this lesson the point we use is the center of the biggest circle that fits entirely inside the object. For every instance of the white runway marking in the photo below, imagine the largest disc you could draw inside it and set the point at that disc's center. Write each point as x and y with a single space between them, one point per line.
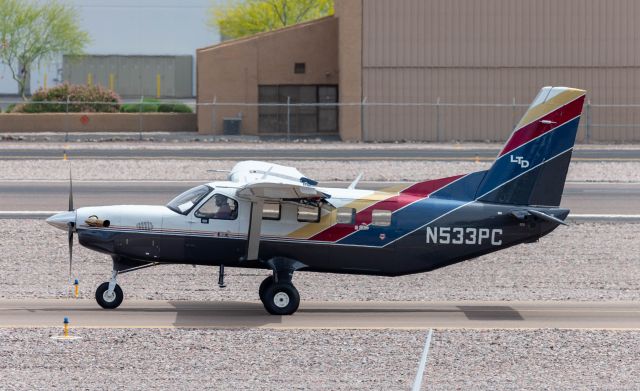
417 383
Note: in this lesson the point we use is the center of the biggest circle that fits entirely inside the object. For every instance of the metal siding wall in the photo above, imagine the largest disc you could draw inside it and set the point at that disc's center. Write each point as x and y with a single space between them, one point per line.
491 86
184 76
468 51
521 33
134 76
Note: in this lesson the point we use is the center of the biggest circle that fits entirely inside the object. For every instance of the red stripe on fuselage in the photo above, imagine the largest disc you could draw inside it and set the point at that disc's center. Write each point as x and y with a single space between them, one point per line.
409 195
535 129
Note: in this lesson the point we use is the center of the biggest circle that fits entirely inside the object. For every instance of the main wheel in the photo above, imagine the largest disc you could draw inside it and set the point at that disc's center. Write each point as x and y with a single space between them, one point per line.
281 299
106 300
263 286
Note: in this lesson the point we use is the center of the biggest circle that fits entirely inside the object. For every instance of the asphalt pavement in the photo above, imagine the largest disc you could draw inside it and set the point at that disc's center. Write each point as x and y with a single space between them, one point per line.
186 152
324 315
51 196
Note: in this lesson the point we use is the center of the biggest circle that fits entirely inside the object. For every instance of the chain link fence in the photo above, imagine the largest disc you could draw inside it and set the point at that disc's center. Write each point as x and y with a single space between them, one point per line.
375 121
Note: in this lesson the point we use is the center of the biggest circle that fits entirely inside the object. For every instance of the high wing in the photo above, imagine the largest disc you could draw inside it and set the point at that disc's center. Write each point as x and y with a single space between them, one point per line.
267 182
280 191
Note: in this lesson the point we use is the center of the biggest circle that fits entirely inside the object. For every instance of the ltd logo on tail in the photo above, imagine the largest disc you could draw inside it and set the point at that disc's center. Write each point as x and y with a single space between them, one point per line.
520 161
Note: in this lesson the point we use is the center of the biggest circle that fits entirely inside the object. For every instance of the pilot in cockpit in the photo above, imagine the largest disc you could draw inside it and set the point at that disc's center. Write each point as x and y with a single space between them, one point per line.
224 210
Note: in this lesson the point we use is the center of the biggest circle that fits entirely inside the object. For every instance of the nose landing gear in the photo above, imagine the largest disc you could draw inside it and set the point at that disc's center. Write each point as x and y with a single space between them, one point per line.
109 295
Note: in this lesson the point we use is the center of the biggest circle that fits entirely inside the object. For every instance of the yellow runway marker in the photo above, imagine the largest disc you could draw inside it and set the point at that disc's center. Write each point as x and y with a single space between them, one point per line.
65 335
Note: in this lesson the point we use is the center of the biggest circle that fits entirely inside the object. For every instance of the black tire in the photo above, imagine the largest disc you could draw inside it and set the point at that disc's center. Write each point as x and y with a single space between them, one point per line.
263 286
281 299
106 302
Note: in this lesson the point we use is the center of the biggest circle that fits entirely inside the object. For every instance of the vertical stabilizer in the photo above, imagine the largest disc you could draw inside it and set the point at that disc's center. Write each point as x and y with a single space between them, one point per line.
532 167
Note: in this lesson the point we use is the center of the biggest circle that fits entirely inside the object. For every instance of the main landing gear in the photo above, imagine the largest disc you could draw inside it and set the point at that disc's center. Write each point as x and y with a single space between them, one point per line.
277 293
280 298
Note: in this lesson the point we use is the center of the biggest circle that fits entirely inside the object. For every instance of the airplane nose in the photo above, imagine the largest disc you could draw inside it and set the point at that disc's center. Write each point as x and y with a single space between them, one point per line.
62 220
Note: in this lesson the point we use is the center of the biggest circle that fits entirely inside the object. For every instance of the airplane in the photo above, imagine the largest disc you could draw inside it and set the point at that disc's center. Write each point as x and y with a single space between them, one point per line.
269 216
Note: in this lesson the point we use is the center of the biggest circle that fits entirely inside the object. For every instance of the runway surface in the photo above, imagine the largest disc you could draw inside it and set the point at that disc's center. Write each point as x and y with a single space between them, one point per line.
323 315
436 154
51 196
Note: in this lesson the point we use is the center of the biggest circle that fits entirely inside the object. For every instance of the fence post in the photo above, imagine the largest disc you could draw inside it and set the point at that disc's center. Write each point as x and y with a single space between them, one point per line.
363 128
288 118
587 133
213 114
438 130
140 117
66 122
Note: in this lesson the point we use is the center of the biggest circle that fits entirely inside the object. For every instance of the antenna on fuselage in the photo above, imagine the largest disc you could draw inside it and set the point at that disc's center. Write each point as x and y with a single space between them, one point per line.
353 184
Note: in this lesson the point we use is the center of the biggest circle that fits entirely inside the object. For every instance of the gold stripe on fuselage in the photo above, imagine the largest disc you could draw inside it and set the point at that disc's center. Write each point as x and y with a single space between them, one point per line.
360 204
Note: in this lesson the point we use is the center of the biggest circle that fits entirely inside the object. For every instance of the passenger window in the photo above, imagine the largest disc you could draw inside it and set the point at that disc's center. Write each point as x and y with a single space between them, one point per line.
308 214
218 207
346 216
271 211
381 218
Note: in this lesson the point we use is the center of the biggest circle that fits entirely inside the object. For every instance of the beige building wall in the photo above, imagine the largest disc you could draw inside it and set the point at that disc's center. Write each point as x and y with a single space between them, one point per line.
232 71
349 14
97 122
495 52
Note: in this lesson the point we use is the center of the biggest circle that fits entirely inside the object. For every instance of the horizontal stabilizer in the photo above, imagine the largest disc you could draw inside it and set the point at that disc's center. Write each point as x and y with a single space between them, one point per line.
524 214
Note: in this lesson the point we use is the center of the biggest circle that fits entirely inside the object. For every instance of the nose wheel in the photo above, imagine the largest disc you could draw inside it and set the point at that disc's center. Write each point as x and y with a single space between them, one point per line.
109 299
109 295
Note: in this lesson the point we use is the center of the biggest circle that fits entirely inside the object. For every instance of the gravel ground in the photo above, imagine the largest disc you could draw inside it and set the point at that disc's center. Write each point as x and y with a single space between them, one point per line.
253 144
533 360
166 142
209 359
196 170
586 261
319 359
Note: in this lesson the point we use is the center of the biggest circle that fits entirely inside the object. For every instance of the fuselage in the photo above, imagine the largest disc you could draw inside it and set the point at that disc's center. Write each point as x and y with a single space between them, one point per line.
395 231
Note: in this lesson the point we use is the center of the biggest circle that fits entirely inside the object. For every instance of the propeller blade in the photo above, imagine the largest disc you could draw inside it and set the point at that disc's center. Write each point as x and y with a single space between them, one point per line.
70 236
70 191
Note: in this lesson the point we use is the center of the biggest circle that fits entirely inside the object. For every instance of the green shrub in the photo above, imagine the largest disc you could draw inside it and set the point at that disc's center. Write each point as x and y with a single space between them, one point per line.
87 99
174 108
149 105
10 108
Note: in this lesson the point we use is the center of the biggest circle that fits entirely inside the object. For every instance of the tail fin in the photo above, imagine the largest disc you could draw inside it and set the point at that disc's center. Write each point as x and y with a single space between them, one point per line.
532 167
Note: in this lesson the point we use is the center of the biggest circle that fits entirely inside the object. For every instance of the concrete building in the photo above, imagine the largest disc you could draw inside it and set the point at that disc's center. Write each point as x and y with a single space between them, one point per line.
437 70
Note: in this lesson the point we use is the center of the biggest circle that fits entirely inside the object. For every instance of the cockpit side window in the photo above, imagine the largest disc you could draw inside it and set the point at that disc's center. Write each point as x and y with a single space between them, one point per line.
186 201
218 207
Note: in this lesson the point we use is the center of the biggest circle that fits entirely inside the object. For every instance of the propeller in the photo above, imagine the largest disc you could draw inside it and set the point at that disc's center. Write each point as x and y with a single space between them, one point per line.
70 224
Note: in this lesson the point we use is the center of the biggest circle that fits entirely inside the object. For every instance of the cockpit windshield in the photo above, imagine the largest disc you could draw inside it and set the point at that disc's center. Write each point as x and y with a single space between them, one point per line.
186 201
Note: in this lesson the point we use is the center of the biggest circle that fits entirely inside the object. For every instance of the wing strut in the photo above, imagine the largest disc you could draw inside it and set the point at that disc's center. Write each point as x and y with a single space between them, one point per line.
255 225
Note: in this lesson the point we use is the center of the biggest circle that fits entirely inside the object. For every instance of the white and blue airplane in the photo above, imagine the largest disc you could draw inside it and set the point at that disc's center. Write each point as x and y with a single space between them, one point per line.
273 217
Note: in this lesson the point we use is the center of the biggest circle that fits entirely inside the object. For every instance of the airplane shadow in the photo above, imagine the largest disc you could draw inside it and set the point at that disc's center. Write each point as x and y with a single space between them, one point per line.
233 314
489 312
477 312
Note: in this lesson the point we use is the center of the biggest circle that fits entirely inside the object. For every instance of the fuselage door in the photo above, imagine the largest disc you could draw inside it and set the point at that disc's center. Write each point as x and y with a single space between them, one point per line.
214 231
